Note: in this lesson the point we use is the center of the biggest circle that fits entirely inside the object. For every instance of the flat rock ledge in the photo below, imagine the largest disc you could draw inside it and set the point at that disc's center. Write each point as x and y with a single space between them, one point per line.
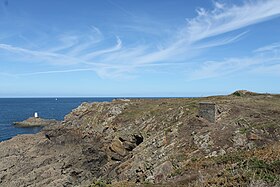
36 122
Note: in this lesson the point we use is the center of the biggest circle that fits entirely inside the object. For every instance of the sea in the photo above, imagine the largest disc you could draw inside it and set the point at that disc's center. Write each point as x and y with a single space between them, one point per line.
19 109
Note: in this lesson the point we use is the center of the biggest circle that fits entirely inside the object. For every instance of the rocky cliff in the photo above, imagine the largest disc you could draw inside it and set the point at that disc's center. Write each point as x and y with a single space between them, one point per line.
152 141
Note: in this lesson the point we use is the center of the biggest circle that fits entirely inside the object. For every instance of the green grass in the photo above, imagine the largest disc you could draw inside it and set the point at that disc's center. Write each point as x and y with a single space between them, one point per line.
250 168
267 171
235 157
99 183
244 130
236 94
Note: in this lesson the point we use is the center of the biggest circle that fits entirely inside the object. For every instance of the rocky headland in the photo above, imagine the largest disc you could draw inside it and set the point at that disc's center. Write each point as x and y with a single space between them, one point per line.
168 142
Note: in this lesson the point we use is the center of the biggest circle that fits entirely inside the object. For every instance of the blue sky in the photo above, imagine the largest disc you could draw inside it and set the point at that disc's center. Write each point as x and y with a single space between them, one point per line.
138 48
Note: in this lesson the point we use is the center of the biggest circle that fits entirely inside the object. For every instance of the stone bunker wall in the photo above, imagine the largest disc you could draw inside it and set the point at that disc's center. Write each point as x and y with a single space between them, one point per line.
207 110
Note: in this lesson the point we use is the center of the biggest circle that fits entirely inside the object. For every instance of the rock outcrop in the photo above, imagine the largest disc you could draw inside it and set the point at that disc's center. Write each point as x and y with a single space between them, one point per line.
36 122
145 141
244 93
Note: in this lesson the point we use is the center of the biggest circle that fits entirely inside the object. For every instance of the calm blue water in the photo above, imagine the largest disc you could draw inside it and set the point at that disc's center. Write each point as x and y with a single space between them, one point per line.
19 109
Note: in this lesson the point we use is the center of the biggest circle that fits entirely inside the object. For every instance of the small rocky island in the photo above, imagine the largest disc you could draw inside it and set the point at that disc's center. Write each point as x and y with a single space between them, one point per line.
231 140
36 122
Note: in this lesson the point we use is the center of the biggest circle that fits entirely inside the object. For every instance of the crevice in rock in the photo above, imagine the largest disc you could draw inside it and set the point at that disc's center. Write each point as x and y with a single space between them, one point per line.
139 139
121 139
115 159
47 136
110 148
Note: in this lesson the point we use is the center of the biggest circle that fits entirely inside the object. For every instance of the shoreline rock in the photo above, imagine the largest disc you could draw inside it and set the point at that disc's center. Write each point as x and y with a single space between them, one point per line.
36 122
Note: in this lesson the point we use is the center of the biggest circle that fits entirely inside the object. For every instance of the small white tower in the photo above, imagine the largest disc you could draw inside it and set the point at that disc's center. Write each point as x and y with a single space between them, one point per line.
36 115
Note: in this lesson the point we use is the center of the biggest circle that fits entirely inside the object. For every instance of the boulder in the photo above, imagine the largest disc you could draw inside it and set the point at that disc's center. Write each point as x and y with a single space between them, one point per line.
117 147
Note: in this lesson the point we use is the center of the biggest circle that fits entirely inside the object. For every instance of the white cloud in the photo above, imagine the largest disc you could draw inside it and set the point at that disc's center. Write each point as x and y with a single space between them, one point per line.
117 47
39 56
272 70
272 47
219 5
224 19
58 71
214 69
84 50
220 42
259 63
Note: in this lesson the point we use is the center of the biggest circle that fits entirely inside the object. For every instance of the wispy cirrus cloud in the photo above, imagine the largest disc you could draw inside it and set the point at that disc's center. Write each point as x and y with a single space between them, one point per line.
272 70
272 47
88 52
220 42
262 61
212 69
40 56
93 54
225 18
55 71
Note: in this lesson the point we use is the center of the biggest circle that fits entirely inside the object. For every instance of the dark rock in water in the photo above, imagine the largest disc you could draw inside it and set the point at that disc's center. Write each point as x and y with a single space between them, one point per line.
36 122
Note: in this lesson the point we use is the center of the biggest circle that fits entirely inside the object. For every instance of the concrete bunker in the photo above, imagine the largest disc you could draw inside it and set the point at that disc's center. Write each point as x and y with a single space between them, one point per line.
208 111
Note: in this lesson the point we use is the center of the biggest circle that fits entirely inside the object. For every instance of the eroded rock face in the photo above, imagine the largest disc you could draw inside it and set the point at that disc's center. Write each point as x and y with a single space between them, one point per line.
138 141
66 159
121 146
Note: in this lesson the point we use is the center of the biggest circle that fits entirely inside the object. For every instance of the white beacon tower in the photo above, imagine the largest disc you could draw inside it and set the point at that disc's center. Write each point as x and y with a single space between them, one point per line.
36 115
